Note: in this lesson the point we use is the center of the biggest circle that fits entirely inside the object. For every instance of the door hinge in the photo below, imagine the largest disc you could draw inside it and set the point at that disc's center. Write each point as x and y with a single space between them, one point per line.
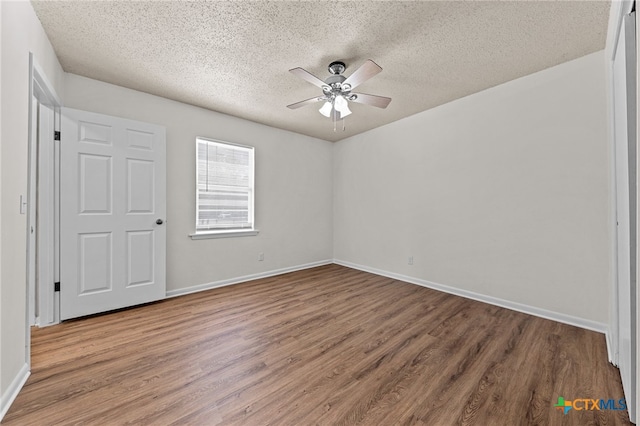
56 286
56 135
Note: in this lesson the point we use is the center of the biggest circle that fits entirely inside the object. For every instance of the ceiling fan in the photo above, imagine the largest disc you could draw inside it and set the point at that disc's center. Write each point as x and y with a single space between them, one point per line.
337 89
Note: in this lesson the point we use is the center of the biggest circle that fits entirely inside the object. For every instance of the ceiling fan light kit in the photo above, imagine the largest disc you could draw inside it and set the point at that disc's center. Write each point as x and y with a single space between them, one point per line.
337 88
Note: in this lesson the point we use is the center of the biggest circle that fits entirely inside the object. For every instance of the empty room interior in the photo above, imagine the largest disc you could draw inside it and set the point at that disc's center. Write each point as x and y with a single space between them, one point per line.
298 213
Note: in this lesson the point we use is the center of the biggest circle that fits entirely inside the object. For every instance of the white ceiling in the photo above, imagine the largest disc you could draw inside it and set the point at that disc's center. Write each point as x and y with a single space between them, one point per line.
234 56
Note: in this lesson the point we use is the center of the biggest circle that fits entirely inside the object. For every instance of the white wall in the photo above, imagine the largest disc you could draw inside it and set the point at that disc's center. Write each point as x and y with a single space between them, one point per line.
504 193
293 186
21 34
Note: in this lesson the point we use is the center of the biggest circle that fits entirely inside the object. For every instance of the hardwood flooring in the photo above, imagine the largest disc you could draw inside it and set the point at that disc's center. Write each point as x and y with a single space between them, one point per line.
327 346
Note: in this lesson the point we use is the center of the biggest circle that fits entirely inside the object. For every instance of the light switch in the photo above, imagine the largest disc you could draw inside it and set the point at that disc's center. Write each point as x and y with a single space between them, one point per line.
23 205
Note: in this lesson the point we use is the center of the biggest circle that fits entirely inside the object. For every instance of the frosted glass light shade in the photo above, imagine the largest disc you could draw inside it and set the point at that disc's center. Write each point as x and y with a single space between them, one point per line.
326 109
342 106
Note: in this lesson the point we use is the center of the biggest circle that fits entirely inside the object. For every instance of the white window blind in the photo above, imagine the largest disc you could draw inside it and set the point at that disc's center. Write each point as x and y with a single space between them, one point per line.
224 199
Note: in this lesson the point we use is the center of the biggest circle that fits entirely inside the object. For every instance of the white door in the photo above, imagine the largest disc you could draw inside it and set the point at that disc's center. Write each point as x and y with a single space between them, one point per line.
625 152
112 213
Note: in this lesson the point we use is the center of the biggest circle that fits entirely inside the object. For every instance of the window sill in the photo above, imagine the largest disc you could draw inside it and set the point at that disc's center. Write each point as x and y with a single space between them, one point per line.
224 234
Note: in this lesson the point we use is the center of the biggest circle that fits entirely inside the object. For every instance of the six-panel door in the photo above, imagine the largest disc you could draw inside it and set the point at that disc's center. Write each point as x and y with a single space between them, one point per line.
112 180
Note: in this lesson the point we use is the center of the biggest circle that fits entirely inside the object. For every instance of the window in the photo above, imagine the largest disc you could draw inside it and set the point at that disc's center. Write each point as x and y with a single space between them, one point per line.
224 195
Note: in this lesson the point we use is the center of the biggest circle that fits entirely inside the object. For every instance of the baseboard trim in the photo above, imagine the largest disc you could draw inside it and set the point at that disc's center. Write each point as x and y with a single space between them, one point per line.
245 278
514 306
14 388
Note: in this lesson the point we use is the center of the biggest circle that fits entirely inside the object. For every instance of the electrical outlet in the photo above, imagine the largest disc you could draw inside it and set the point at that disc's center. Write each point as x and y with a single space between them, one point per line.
410 260
261 257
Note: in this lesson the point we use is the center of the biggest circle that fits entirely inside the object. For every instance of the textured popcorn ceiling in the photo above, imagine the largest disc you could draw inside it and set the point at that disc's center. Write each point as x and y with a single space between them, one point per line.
234 57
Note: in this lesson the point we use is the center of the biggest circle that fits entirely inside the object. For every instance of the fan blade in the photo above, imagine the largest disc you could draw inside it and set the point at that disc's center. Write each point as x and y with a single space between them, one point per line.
306 102
306 75
362 74
373 100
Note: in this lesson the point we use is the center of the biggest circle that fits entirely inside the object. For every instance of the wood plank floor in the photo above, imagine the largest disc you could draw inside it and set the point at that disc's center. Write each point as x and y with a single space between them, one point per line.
327 346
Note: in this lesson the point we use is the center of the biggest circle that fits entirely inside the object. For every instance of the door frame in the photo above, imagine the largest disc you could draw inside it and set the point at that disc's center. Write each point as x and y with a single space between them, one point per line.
42 91
637 401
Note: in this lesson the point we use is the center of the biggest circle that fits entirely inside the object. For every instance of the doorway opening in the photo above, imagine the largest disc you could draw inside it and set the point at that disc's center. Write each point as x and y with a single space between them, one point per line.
42 205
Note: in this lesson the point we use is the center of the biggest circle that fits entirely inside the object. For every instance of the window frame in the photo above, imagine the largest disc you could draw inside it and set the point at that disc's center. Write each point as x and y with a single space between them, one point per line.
226 232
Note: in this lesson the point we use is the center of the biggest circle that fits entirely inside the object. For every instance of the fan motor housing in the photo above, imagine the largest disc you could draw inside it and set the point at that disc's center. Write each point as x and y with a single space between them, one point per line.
337 78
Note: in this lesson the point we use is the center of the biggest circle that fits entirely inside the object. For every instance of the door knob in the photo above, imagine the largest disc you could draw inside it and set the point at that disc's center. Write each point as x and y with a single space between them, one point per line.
159 222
